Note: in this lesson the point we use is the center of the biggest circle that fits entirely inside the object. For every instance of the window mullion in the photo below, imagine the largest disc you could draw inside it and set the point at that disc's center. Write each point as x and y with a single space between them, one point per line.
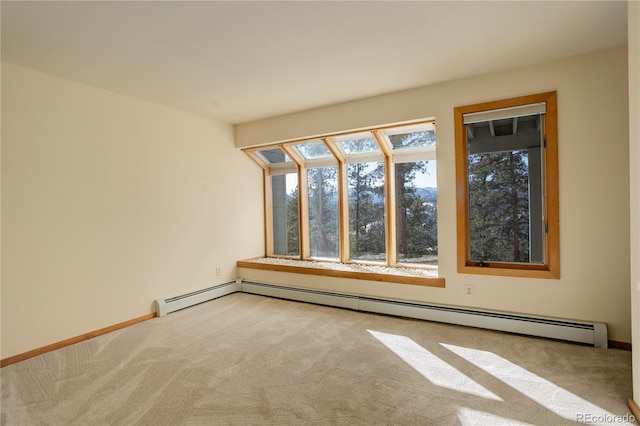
390 222
303 201
335 150
303 213
257 159
268 214
343 199
293 154
383 143
343 212
390 204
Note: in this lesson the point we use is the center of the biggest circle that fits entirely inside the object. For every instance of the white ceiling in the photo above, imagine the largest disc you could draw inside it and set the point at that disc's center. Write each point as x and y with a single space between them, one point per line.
240 61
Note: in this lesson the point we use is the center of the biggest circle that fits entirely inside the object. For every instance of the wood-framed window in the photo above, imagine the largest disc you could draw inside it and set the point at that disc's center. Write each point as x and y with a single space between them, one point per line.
507 187
368 196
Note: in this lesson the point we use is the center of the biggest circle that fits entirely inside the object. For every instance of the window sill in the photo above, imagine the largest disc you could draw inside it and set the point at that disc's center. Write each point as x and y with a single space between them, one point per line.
532 272
411 276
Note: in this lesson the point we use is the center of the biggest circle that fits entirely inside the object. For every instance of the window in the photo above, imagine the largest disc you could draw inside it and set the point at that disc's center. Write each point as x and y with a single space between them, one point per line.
415 195
281 199
322 191
363 197
367 234
366 196
507 180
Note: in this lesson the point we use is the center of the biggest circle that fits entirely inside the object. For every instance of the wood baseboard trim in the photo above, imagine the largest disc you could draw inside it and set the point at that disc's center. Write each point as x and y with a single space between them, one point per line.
613 344
73 340
635 410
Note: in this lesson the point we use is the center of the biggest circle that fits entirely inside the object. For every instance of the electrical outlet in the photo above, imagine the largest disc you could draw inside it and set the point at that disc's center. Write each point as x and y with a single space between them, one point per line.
218 271
468 290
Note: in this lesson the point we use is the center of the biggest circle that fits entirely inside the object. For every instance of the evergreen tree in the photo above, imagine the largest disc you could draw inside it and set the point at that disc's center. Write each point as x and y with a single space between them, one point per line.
499 206
366 215
323 217
293 223
416 221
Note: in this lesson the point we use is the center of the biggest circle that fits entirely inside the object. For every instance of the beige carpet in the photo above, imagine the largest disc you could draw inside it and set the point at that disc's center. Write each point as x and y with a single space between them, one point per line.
251 360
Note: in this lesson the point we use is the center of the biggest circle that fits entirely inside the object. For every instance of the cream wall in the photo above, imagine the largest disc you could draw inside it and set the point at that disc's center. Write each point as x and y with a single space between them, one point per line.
110 202
634 156
0 204
594 187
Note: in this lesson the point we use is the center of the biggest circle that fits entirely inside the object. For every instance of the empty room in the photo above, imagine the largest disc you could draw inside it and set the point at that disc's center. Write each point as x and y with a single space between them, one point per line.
320 212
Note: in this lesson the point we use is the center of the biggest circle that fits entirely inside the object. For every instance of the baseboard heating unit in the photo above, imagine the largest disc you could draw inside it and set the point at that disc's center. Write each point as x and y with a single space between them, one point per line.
592 333
176 303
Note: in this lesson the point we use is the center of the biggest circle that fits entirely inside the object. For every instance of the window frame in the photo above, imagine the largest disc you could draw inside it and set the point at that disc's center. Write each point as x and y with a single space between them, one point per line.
275 169
385 154
551 266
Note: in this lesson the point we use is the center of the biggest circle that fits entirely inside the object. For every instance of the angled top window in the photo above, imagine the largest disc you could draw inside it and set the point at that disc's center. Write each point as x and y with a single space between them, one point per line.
313 154
507 213
274 155
313 150
411 137
359 146
276 160
412 143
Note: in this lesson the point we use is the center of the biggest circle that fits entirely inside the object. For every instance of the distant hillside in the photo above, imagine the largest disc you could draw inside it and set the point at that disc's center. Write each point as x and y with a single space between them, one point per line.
429 194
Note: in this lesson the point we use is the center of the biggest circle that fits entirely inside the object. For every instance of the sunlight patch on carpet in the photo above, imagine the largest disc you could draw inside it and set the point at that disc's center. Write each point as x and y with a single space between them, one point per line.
547 394
470 417
431 367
